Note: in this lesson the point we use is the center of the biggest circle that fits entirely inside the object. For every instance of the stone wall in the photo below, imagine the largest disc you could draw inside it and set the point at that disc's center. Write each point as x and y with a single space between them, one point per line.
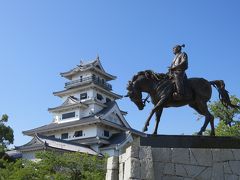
148 163
189 163
135 163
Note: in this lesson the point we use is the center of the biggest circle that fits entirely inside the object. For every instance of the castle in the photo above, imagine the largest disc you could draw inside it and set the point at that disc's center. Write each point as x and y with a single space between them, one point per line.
88 120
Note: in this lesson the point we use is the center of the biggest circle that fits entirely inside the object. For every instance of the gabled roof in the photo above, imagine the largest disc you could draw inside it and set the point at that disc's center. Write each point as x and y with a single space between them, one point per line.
71 102
40 142
112 106
98 118
115 140
119 140
92 65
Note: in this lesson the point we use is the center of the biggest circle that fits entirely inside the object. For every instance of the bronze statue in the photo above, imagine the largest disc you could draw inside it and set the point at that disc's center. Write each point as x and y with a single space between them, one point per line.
161 88
177 70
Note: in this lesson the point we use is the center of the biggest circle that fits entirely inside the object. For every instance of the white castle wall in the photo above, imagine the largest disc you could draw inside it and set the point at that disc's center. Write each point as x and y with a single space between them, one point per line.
88 131
83 74
29 155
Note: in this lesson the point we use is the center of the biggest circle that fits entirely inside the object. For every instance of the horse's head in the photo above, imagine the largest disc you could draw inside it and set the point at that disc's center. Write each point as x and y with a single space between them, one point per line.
143 81
135 95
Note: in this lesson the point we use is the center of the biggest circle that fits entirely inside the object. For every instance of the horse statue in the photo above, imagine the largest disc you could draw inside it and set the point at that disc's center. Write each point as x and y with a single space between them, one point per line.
160 88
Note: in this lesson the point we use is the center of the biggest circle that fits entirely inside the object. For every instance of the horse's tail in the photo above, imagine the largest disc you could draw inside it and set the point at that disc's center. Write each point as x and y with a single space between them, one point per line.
223 93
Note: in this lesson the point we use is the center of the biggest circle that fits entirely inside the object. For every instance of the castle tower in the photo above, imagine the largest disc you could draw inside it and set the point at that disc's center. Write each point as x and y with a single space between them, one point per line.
88 117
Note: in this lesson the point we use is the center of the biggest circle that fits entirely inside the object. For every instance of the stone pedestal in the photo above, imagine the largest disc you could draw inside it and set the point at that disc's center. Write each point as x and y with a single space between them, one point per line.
112 168
191 160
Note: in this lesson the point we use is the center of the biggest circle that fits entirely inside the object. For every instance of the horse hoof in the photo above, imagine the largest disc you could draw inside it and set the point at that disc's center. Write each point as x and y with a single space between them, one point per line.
199 134
212 134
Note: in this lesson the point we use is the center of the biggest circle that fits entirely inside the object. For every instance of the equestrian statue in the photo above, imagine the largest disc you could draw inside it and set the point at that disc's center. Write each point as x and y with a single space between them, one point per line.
174 89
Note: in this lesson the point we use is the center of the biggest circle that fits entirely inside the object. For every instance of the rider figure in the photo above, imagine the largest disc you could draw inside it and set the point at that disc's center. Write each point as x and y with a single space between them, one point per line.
177 69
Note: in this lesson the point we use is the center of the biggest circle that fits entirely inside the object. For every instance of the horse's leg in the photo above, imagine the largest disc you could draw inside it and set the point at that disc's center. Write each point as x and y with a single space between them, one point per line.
201 108
145 128
158 116
156 108
212 125
198 109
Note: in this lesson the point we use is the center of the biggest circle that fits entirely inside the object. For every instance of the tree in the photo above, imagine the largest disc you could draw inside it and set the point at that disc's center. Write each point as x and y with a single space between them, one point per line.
225 130
6 134
229 118
74 166
57 166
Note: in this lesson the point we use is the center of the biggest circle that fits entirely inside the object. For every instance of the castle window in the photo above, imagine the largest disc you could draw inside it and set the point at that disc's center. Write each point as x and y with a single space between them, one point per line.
52 136
64 136
106 133
78 133
68 115
99 97
83 96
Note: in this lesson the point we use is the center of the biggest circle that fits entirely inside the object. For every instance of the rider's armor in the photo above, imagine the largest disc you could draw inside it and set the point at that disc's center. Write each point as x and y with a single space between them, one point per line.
178 67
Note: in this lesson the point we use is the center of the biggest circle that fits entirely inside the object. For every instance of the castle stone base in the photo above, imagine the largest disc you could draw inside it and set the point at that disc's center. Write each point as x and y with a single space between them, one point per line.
156 162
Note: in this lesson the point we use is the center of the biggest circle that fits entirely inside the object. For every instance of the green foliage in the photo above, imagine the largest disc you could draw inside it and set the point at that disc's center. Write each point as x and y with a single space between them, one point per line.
21 170
56 166
230 116
6 134
52 166
224 130
4 118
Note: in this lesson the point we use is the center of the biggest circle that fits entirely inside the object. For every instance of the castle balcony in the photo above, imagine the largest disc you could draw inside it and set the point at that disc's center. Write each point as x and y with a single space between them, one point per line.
87 80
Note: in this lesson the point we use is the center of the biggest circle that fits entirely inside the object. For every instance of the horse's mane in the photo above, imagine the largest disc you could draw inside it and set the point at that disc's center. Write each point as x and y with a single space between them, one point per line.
150 75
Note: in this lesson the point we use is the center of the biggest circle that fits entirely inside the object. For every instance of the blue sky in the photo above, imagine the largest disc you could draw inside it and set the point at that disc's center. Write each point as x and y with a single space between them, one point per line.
40 39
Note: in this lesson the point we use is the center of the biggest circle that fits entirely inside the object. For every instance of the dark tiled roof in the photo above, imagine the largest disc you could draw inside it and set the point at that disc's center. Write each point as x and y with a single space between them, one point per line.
91 140
14 154
96 118
105 110
31 147
88 85
85 120
69 103
34 144
42 142
110 105
61 140
55 126
139 133
96 64
116 139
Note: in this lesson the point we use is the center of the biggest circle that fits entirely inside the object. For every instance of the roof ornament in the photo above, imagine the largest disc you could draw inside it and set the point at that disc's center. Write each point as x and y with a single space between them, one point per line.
98 59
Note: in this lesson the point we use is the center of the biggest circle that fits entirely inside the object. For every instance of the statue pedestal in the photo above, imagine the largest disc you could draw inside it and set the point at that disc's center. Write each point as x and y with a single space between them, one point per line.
184 141
179 157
